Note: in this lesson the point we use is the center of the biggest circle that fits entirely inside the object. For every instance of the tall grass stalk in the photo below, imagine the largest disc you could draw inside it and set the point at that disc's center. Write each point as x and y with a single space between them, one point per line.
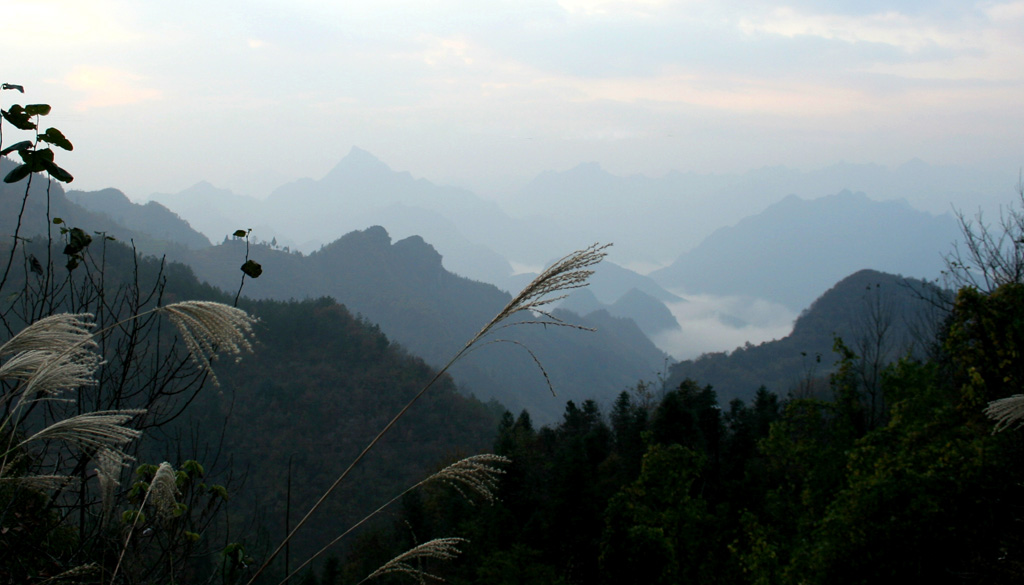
551 285
477 474
58 353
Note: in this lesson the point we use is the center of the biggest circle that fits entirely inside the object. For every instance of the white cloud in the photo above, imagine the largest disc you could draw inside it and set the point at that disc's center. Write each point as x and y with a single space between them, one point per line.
68 24
100 87
893 28
614 8
711 324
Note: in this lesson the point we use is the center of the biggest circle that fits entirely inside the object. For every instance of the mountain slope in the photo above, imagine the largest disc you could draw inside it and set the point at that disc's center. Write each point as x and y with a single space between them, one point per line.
152 218
170 234
794 250
403 287
875 314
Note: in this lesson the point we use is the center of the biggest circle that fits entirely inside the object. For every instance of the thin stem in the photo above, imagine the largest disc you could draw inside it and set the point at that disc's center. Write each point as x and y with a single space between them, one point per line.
569 272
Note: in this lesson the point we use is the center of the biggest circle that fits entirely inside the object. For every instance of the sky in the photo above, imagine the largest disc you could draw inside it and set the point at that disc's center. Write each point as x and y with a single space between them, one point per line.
247 95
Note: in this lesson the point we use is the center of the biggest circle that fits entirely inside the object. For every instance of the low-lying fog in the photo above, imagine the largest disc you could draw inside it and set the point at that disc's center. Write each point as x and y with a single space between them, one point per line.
711 324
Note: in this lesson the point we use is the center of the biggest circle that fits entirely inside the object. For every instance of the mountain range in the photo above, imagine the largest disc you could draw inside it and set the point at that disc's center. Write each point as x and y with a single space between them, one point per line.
793 251
790 252
653 221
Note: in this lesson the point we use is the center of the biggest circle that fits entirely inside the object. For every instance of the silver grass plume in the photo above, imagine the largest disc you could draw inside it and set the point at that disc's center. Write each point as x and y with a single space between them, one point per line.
444 549
56 333
37 482
92 431
476 474
570 272
208 328
163 491
53 354
1006 411
109 463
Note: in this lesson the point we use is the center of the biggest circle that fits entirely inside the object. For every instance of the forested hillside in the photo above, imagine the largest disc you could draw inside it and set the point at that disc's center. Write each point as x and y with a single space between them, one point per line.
880 317
403 287
772 490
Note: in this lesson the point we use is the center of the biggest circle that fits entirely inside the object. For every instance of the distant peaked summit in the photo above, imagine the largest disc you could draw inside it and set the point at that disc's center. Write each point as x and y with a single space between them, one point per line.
588 175
359 163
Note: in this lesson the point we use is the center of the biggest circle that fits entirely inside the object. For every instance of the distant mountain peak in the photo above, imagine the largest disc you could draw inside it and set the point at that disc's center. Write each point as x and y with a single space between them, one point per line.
915 165
358 162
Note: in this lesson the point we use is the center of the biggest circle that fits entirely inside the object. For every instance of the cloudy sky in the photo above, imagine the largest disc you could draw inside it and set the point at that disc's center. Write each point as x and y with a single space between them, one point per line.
157 96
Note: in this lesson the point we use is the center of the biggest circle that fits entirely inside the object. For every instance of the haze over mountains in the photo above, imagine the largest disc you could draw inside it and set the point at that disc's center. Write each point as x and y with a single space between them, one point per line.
793 251
651 220
775 234
397 246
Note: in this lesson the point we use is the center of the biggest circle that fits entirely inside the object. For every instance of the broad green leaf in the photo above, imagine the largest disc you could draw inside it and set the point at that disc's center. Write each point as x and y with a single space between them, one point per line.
57 221
37 109
23 145
19 173
56 138
18 118
252 269
72 263
240 233
56 172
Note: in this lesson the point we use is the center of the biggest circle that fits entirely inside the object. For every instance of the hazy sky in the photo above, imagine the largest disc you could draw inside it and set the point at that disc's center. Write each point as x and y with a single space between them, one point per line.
159 95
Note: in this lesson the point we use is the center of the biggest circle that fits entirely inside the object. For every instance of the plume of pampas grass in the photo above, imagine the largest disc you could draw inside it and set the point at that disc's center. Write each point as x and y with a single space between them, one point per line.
1006 411
163 491
98 430
568 273
444 549
109 463
208 328
53 354
56 333
38 482
476 474
47 374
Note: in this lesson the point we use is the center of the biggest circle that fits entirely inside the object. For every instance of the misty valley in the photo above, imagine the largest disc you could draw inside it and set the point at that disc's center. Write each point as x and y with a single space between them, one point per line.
771 377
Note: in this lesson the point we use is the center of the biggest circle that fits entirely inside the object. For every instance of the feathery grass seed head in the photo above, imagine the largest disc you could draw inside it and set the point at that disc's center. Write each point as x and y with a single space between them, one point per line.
98 430
53 354
444 549
38 482
56 333
109 463
208 328
568 273
476 474
163 491
1006 411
